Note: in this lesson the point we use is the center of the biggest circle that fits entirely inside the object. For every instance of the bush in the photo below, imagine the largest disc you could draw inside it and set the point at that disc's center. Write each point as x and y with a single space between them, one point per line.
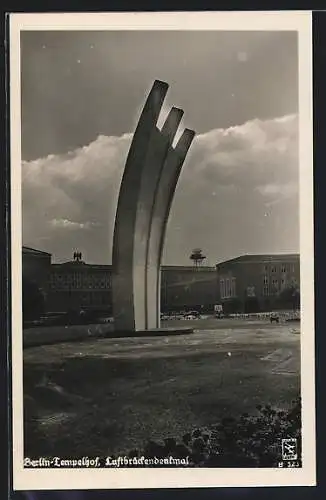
249 441
33 300
289 298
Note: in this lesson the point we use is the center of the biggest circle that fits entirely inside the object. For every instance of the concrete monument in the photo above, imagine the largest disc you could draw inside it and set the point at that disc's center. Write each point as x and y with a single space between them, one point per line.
148 184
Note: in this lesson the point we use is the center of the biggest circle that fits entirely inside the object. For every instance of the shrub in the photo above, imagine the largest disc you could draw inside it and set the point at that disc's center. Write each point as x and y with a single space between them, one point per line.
249 441
33 300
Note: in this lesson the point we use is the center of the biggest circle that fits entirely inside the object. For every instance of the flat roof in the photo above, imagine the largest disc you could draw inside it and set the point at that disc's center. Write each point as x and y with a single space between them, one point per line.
188 268
80 264
261 258
71 264
34 251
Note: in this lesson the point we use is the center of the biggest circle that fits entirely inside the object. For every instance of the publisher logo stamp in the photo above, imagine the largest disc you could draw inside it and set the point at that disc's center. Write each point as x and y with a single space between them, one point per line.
289 449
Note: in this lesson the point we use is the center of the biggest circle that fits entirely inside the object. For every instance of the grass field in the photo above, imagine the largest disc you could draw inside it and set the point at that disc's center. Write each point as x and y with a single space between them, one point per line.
104 396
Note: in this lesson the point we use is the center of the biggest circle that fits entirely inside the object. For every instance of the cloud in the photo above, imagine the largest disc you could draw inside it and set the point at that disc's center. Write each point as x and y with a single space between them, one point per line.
69 224
231 179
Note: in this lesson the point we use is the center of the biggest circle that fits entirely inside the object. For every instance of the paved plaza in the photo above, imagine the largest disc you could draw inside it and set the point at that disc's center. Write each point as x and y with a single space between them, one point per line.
110 395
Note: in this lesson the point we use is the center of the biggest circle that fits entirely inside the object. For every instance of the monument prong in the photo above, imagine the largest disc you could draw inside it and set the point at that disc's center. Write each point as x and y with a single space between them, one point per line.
172 123
153 105
161 209
184 142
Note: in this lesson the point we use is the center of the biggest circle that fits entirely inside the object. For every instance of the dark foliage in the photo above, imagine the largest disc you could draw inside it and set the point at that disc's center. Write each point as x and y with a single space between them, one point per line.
289 298
33 300
250 441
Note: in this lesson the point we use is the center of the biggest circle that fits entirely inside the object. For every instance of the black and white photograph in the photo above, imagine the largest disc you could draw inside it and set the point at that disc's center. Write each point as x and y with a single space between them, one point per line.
162 250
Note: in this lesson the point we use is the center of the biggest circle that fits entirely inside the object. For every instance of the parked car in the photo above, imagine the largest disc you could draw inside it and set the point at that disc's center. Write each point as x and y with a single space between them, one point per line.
179 316
191 317
274 317
195 314
108 319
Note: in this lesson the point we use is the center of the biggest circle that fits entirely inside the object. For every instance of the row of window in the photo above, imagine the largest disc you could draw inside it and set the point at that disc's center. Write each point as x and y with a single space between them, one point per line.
80 286
284 268
80 281
271 290
78 276
274 281
267 290
283 281
228 288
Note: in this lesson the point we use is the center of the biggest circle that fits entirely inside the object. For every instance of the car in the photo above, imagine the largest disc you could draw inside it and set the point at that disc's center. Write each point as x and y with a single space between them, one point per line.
194 313
106 319
179 316
274 317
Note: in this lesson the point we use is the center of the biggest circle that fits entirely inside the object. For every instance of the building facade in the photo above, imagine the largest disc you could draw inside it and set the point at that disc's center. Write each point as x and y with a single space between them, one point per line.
36 267
188 287
247 283
75 284
251 283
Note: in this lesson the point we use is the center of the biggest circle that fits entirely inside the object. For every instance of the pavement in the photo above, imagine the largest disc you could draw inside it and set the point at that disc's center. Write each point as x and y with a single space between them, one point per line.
43 335
111 394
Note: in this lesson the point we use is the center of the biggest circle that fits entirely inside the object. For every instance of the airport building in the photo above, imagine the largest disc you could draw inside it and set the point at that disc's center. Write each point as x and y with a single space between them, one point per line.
188 288
252 283
76 284
248 283
36 267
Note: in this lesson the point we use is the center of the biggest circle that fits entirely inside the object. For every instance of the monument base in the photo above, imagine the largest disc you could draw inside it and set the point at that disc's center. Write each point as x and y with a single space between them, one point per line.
154 332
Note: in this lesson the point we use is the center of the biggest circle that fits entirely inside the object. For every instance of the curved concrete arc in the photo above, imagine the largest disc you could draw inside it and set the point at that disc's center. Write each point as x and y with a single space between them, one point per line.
149 155
160 215
125 221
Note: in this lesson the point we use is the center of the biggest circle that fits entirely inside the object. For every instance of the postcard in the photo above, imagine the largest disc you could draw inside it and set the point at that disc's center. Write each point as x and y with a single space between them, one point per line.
162 259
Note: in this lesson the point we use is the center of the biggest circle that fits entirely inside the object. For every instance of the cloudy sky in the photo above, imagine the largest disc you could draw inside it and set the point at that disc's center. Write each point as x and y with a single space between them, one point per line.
82 93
